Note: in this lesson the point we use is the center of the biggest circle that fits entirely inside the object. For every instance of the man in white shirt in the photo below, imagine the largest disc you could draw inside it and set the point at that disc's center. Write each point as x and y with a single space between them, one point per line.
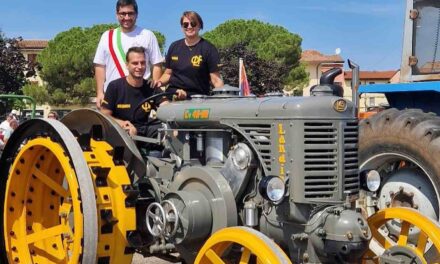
110 55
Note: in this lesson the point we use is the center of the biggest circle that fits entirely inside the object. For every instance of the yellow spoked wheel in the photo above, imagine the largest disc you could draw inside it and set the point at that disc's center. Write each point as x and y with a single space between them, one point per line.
115 217
251 247
400 247
43 218
44 211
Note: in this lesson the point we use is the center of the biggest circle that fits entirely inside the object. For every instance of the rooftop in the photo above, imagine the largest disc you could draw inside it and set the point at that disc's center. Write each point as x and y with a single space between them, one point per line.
316 56
376 75
33 44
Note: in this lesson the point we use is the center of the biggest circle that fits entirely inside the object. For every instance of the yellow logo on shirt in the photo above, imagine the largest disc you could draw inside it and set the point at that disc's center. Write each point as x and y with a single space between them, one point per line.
146 107
123 106
196 60
174 58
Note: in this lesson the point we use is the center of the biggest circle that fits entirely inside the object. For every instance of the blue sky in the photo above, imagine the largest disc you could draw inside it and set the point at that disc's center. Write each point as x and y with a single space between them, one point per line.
367 31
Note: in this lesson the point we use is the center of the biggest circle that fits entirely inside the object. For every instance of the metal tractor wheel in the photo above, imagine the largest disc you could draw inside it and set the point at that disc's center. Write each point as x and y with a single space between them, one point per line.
245 244
404 147
64 202
400 248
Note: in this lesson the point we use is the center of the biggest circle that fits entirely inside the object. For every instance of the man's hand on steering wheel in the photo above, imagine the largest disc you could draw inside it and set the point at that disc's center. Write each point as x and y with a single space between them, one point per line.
139 106
129 127
181 94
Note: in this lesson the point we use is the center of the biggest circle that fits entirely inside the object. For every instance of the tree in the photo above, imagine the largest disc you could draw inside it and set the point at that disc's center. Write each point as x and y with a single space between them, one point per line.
271 43
68 60
83 91
39 93
262 75
13 65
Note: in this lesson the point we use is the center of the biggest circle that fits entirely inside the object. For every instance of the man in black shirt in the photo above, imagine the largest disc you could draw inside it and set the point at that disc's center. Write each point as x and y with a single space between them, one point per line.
124 94
191 63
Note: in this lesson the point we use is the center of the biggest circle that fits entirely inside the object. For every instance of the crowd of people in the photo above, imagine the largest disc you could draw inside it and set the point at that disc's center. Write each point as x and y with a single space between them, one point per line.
129 55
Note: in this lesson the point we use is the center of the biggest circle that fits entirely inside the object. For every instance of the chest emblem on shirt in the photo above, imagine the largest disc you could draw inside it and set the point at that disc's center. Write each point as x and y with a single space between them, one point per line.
123 106
196 60
146 107
174 58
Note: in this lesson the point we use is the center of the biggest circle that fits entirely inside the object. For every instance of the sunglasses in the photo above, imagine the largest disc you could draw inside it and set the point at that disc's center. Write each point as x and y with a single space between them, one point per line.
186 24
124 14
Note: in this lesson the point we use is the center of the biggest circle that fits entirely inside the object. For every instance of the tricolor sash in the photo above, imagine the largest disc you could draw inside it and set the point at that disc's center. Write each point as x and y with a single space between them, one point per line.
116 51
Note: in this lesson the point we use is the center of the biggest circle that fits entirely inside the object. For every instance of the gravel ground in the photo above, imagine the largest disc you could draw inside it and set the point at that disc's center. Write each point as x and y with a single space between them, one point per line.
139 259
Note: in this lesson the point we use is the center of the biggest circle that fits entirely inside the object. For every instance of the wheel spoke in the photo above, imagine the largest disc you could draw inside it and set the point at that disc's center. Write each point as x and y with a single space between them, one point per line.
50 183
404 231
46 233
421 243
51 255
245 256
382 240
213 257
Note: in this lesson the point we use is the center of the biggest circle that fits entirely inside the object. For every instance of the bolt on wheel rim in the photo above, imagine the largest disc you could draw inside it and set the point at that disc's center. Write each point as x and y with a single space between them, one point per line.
43 218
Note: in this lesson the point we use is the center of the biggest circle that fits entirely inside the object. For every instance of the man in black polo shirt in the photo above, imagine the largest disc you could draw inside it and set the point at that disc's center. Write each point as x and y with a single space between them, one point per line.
124 94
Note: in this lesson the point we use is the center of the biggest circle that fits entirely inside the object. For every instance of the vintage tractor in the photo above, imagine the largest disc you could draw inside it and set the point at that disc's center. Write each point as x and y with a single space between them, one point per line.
236 180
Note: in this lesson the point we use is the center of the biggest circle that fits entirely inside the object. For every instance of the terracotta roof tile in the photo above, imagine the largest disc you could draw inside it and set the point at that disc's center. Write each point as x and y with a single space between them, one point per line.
316 56
372 75
33 44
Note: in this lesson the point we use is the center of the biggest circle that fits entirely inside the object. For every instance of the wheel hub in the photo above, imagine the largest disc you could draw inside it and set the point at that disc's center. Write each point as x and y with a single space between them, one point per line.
400 254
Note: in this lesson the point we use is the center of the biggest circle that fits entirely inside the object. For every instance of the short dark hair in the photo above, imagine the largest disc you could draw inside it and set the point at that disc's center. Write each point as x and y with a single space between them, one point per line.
193 16
126 3
135 50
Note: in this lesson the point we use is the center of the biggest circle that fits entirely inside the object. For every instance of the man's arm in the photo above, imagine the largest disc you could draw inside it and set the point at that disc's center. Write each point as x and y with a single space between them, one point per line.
125 124
216 80
157 71
99 78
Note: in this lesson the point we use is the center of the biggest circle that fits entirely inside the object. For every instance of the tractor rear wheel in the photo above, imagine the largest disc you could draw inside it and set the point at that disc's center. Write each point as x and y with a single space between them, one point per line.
65 198
404 147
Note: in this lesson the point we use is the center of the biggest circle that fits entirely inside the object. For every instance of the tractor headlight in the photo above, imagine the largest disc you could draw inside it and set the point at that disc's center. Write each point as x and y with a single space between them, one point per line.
370 180
272 188
241 156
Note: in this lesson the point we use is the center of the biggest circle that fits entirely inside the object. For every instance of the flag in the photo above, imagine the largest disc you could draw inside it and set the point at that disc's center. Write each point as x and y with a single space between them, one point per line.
245 89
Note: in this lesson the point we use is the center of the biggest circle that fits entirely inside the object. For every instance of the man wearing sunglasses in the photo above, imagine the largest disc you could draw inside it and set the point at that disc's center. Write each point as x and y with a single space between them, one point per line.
192 62
110 63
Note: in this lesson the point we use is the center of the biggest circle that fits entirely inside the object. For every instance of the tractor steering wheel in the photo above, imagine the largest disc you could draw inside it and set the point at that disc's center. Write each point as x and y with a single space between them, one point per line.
136 109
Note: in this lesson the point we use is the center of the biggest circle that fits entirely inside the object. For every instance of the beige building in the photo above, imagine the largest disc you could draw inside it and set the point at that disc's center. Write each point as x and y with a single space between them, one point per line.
30 50
318 63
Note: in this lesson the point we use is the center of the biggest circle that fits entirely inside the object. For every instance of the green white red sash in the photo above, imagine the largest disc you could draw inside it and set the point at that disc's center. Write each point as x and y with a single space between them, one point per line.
116 51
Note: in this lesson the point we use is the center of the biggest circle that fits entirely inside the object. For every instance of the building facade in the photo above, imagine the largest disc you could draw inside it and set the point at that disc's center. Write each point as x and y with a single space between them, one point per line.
318 63
30 50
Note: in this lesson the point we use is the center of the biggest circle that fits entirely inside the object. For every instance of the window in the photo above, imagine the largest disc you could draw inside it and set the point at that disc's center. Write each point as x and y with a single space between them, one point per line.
372 101
32 58
371 82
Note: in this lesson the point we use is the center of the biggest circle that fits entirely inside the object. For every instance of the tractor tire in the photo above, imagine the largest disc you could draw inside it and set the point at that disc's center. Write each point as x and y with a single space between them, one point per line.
404 147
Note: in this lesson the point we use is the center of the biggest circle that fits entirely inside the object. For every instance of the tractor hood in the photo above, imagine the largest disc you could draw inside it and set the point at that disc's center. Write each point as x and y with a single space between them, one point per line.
214 109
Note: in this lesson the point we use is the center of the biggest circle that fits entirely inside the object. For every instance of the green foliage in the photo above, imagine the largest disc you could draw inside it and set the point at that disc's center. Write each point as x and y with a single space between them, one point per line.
272 43
39 93
297 79
69 57
58 97
13 65
263 76
83 91
160 39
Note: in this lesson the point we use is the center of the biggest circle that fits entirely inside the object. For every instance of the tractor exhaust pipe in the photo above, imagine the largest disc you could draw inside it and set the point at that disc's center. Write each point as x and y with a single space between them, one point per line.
354 86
